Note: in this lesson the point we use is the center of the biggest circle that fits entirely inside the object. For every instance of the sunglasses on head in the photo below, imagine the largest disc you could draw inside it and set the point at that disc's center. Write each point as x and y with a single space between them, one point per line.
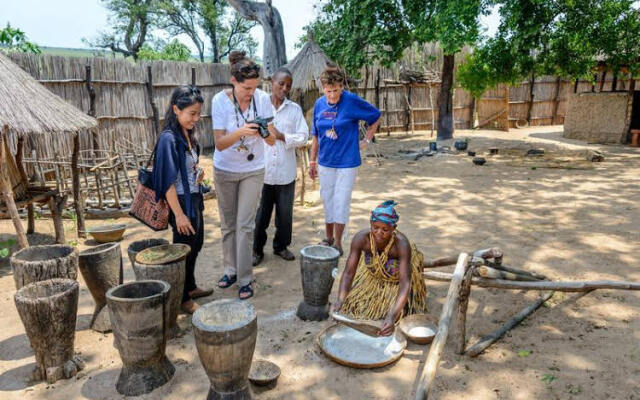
194 90
250 68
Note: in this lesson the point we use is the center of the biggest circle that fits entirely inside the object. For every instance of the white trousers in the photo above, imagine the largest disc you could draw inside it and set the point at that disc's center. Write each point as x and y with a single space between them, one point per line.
336 185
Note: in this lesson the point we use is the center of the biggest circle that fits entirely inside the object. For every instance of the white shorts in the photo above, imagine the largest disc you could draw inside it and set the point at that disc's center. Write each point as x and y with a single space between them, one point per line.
336 185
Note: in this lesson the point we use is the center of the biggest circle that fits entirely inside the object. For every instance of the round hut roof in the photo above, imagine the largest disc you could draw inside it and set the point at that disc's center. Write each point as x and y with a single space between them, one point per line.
30 108
307 66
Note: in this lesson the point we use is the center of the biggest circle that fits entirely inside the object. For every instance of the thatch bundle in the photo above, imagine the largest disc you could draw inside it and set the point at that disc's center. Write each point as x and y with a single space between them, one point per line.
307 66
29 108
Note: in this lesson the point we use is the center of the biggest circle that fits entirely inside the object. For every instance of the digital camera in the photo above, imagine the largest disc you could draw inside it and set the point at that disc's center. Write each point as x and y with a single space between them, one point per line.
262 125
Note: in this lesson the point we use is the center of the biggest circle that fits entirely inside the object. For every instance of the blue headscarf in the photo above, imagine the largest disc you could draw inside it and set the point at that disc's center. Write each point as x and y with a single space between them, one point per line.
386 213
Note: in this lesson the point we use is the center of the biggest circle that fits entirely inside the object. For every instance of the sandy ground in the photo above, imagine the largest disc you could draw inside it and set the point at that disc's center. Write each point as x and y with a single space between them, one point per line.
567 224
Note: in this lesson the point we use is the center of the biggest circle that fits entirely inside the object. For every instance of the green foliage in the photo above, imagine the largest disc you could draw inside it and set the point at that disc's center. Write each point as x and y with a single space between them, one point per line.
548 378
357 33
172 51
564 37
5 247
524 353
13 39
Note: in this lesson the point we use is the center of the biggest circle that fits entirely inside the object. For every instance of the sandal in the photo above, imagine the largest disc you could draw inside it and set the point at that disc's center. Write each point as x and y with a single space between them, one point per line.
247 291
227 281
326 242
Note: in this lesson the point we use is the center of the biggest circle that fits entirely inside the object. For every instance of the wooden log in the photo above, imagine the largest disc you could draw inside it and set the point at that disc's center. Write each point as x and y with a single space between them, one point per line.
7 192
491 338
559 286
48 312
154 108
492 273
56 205
101 268
39 263
91 91
77 200
439 262
437 346
465 293
535 275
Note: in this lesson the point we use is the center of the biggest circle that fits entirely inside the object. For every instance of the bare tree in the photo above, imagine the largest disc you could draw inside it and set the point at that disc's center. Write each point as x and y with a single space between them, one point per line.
275 52
180 16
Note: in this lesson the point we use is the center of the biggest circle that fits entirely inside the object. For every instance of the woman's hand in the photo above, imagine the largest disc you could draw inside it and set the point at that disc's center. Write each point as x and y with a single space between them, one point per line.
335 307
248 129
387 327
184 225
313 170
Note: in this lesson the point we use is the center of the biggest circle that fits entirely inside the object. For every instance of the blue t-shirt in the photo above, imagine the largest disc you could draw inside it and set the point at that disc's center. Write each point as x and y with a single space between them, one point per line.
341 151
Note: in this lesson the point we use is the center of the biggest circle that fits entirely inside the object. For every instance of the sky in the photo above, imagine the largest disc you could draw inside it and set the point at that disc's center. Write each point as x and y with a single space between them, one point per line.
63 23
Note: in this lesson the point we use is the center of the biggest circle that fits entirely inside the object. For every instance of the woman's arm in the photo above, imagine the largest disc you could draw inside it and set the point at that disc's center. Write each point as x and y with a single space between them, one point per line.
371 131
350 269
182 221
223 140
313 163
404 256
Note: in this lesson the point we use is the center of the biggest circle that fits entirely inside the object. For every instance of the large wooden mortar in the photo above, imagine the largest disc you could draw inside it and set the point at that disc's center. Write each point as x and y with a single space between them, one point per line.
39 263
48 311
139 316
316 265
139 245
170 269
101 268
225 333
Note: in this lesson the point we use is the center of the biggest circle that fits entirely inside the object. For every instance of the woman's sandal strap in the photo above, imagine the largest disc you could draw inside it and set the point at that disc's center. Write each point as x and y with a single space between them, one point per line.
245 289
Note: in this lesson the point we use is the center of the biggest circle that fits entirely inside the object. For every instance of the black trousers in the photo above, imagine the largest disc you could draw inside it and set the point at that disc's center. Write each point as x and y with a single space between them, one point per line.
194 241
280 197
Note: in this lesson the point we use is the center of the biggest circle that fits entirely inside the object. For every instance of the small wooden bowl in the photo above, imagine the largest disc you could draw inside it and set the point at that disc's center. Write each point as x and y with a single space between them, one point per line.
163 254
419 328
107 233
263 372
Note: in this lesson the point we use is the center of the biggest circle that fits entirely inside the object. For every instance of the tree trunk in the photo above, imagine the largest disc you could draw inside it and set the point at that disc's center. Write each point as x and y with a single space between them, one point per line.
48 311
275 51
445 99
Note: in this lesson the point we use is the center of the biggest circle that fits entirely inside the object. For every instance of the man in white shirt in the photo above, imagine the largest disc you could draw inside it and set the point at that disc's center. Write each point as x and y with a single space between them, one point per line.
280 170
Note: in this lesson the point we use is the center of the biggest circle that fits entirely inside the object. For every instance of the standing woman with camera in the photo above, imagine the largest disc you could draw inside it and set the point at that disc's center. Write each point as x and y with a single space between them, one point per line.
239 166
177 178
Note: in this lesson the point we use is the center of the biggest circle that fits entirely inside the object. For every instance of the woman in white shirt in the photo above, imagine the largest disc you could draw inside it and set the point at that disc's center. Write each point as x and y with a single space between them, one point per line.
239 166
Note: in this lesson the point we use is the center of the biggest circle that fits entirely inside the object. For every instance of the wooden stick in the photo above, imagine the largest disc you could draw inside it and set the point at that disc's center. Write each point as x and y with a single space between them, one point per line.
519 271
439 262
560 286
435 352
56 205
492 273
465 293
491 338
7 192
492 252
75 177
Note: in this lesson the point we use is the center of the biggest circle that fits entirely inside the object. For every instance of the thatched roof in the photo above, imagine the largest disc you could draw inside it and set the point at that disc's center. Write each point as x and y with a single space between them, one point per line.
307 66
30 108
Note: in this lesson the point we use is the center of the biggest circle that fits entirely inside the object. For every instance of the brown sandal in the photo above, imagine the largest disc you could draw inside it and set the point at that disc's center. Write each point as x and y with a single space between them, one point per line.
326 242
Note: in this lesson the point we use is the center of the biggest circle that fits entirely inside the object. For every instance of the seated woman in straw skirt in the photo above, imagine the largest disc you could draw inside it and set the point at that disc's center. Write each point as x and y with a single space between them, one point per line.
383 275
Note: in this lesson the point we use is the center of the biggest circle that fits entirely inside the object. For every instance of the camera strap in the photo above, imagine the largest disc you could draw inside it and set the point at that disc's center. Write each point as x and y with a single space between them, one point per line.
237 109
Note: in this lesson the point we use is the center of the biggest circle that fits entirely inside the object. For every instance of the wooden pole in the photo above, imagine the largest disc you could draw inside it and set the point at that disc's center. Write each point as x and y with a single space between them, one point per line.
556 102
7 192
519 271
386 107
31 223
56 205
532 83
575 85
193 76
435 352
433 117
465 293
377 88
614 84
77 195
154 108
559 286
604 76
472 113
491 338
493 273
92 92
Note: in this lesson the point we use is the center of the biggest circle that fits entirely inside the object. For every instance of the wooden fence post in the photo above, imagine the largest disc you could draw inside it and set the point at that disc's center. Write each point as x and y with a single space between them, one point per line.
78 202
604 76
7 192
614 84
377 98
437 346
154 108
193 76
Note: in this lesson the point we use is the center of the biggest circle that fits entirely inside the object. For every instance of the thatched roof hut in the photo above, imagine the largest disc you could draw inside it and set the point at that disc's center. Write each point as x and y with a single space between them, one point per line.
28 108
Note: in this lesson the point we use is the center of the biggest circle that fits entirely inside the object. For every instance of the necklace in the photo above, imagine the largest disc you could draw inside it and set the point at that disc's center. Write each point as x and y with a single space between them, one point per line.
236 108
331 133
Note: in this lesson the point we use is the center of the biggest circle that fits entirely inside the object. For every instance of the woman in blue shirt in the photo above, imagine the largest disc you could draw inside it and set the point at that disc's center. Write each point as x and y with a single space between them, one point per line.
335 150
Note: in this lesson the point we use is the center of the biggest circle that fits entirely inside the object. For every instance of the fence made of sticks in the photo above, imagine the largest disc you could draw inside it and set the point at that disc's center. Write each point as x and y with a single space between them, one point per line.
408 106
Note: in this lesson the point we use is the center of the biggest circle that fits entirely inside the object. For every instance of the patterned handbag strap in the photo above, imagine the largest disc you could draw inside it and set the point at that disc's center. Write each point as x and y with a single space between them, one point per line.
153 154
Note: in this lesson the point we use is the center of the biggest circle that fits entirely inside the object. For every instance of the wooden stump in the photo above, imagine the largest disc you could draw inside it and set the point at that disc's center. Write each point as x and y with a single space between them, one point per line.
39 263
173 273
48 311
139 245
139 314
101 268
